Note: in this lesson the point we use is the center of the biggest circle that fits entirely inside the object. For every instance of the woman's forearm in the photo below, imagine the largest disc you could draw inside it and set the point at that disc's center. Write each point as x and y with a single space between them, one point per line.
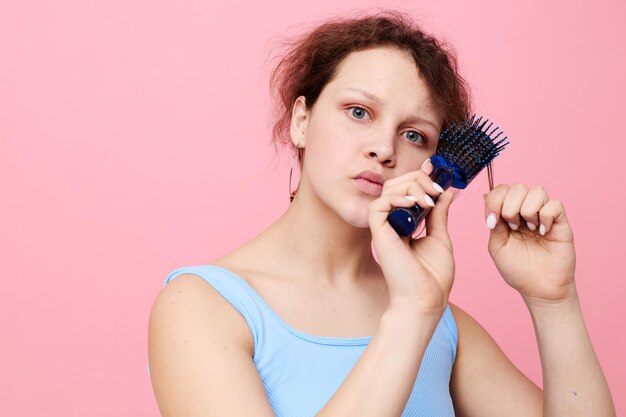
573 382
381 381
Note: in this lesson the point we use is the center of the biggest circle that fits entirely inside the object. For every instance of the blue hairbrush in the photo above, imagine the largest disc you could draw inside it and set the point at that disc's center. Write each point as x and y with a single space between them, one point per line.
463 151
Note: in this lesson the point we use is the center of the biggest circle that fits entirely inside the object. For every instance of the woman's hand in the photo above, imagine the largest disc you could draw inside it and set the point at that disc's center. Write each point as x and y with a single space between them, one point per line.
531 242
419 272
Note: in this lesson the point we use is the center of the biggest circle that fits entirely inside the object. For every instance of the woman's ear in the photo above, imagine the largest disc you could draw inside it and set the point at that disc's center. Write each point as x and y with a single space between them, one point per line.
300 117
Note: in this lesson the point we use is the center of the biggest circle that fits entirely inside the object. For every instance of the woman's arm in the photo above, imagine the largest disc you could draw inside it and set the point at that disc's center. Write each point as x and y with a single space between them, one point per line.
485 383
200 353
419 275
573 382
381 382
532 245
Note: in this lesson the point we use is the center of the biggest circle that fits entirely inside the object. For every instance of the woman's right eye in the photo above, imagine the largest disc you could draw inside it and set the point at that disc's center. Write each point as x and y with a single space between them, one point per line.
358 112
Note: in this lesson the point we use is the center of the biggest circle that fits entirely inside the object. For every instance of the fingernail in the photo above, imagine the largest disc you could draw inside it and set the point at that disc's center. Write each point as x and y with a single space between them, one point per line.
513 226
437 187
491 220
542 230
531 226
425 162
411 198
429 200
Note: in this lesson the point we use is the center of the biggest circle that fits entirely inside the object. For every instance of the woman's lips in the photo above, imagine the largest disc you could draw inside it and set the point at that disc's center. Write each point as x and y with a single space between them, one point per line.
369 187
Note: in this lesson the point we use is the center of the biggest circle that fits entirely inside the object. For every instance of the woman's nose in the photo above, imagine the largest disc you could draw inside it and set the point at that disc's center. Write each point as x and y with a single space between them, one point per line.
381 148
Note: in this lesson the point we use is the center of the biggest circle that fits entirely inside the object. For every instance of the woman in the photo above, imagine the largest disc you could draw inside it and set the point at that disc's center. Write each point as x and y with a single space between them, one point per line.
285 326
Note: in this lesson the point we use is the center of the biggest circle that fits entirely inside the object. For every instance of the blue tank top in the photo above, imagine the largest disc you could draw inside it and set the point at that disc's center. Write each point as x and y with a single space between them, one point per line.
301 371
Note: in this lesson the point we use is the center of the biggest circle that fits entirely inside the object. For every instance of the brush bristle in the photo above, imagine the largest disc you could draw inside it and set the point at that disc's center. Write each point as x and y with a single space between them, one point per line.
471 144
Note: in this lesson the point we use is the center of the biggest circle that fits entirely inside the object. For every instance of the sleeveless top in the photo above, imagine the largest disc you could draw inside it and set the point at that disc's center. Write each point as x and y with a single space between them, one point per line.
301 371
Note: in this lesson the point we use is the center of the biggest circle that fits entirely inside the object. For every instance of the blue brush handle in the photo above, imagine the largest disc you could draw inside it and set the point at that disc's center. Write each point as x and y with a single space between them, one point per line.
446 173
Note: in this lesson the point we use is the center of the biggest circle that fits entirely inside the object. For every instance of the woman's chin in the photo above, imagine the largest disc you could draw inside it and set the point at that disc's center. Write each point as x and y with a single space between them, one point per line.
357 219
360 225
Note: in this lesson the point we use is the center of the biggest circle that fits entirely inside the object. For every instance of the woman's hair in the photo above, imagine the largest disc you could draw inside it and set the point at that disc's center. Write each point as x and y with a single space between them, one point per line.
311 60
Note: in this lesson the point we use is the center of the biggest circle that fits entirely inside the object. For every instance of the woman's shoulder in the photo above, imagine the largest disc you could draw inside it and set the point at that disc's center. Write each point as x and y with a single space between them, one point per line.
479 358
468 326
196 337
458 312
475 345
189 300
240 265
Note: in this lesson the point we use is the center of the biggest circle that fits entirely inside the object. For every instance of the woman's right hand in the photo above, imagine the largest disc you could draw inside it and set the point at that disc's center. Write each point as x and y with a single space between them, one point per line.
419 272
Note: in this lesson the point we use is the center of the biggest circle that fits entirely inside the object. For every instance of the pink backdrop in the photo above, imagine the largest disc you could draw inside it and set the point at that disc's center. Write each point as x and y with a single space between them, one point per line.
134 140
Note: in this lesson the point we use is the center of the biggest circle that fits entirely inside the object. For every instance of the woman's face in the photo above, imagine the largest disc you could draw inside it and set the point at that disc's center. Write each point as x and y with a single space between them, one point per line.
376 115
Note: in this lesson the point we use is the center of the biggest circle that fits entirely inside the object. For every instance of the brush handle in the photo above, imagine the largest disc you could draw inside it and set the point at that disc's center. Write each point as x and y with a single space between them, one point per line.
446 173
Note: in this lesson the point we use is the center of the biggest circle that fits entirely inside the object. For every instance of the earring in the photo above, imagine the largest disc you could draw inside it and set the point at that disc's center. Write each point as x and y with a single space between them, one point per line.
292 194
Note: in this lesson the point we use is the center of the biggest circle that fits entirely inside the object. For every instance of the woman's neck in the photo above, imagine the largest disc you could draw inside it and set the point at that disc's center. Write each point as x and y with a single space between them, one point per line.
311 241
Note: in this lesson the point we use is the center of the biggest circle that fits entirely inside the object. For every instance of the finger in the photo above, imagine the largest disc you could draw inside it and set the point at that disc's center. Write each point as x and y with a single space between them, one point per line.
423 185
552 212
437 219
423 188
534 201
409 176
493 205
427 168
378 210
414 192
512 205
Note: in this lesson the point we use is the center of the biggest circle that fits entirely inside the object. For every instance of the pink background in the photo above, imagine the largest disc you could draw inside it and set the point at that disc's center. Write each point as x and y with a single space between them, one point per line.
134 139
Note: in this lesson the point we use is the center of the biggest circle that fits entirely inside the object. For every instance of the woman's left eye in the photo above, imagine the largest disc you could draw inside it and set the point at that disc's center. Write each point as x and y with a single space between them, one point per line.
358 112
415 136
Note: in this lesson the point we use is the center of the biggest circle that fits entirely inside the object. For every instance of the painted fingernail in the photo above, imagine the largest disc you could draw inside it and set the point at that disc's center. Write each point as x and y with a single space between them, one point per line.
424 163
531 226
437 187
411 198
542 230
513 226
491 220
429 200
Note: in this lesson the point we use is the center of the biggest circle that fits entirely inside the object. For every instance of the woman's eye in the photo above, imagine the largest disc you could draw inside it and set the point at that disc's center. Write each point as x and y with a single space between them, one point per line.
415 136
358 112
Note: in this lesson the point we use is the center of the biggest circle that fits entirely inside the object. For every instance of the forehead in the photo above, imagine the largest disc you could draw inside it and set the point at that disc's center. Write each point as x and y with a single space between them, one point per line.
379 57
387 73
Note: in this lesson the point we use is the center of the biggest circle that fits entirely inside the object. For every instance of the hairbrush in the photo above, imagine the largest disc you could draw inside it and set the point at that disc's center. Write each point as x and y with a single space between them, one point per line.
463 150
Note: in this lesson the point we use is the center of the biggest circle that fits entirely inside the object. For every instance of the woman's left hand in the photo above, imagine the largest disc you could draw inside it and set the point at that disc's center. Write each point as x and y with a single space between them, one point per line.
538 259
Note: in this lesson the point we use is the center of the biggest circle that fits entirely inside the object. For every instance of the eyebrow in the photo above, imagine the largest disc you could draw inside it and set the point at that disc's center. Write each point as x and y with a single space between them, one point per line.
378 101
365 93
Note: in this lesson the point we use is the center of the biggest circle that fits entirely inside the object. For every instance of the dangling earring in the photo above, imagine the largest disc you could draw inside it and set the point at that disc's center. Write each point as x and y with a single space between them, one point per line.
292 194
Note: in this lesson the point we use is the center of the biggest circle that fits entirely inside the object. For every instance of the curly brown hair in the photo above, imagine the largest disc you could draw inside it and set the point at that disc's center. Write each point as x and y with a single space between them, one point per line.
311 60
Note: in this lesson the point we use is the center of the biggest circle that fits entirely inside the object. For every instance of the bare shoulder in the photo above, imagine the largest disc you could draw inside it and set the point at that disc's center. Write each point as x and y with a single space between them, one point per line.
484 381
471 332
473 339
200 353
192 299
463 320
